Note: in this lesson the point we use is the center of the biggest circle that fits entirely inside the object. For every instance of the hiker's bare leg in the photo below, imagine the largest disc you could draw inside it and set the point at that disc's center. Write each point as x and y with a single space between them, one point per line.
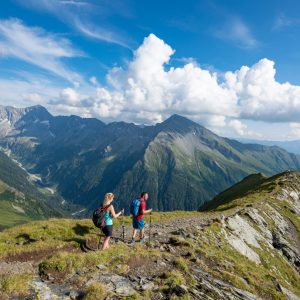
105 244
141 233
133 233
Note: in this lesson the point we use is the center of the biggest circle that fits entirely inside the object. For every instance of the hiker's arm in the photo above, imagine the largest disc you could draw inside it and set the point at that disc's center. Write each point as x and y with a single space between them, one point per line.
148 211
113 213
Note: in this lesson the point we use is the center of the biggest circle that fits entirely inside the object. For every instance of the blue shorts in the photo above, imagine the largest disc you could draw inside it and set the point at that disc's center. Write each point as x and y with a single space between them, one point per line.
138 224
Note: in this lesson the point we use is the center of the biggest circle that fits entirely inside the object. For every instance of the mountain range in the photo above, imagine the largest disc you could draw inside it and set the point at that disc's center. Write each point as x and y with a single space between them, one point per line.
290 146
179 162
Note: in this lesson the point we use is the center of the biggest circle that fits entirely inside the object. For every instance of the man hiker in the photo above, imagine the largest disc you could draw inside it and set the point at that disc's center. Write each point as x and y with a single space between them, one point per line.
138 210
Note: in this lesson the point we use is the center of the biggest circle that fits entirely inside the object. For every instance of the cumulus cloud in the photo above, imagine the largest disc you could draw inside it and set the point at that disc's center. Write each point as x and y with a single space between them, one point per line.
149 90
37 47
260 96
241 129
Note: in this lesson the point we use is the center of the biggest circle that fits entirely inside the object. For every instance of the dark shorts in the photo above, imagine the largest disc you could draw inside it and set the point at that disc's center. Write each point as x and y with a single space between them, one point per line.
138 224
107 230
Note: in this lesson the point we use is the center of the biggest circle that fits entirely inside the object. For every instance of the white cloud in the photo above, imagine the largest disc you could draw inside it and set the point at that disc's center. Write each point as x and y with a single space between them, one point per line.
283 21
149 90
103 34
236 31
37 47
74 2
93 80
33 98
148 86
78 16
261 97
238 126
69 96
23 93
295 127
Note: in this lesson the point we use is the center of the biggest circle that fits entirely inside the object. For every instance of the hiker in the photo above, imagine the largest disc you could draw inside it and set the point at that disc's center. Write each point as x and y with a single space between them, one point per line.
109 216
138 210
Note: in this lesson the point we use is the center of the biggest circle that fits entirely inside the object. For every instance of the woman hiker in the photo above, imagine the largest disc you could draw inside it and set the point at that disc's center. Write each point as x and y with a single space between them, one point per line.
109 216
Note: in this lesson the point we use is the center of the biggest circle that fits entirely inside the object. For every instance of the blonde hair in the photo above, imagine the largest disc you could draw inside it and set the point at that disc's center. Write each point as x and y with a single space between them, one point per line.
108 198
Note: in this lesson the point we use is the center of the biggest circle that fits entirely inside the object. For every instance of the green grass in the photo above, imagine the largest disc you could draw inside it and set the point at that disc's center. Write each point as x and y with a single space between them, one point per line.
181 264
10 217
14 285
95 291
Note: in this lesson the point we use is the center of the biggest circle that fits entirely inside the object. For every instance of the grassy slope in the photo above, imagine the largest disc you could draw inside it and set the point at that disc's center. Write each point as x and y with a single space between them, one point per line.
16 190
211 250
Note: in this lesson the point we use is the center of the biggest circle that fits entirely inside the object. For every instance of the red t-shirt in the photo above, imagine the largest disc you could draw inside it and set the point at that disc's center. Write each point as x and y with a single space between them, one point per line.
140 216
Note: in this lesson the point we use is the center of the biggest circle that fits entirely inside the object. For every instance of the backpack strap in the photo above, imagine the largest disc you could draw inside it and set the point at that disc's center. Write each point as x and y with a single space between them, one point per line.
105 208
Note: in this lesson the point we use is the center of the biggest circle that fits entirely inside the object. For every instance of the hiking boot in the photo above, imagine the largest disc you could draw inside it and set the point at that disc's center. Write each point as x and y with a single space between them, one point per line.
132 242
142 240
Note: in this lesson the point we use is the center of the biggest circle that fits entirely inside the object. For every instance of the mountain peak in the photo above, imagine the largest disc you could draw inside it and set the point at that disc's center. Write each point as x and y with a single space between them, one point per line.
177 118
180 124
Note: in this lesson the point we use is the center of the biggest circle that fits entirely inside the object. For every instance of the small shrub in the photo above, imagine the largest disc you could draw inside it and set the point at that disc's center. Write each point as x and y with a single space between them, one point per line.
95 291
15 284
173 278
181 264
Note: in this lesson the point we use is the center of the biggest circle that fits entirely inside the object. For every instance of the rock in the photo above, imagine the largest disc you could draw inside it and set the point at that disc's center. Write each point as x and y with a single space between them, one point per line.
195 260
254 215
161 264
50 277
101 267
74 295
180 290
243 234
244 294
244 231
134 278
176 232
171 249
290 252
79 272
239 245
123 286
148 286
289 294
294 196
187 254
278 219
218 289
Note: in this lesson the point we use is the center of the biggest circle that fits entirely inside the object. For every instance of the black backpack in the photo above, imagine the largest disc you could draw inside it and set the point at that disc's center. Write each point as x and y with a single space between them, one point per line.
98 216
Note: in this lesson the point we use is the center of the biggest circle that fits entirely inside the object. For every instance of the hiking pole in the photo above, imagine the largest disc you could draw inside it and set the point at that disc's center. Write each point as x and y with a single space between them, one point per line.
123 227
150 225
98 247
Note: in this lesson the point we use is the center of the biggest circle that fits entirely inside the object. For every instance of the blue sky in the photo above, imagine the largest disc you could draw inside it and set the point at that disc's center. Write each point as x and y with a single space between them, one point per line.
229 65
